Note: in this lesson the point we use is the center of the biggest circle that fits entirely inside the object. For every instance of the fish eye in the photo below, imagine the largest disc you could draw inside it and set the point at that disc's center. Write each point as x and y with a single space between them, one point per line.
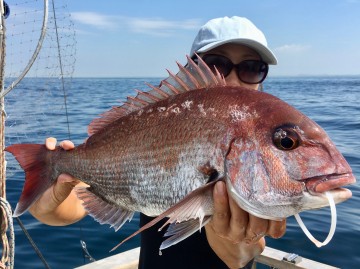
286 138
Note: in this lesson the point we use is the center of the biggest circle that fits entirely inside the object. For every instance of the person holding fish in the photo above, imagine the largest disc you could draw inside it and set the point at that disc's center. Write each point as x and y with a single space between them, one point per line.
233 53
233 234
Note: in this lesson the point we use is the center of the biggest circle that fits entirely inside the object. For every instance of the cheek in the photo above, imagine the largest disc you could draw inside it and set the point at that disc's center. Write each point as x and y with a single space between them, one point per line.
281 171
260 173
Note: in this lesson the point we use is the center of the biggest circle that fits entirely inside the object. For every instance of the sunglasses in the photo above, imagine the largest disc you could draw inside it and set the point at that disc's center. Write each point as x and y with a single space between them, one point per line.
248 71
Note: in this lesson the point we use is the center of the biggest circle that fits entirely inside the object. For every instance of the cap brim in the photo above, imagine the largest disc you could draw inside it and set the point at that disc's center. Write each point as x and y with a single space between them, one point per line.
265 53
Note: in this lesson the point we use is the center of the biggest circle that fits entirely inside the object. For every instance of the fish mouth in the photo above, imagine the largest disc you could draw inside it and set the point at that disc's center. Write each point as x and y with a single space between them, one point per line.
323 183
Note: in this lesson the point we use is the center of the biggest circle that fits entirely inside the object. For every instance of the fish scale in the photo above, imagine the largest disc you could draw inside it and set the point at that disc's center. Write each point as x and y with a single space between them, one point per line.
154 161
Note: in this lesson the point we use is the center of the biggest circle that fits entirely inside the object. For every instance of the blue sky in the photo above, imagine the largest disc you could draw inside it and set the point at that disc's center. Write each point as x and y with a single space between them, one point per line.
141 37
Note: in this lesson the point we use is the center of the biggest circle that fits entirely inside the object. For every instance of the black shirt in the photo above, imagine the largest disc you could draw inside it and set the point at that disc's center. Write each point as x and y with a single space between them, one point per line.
192 253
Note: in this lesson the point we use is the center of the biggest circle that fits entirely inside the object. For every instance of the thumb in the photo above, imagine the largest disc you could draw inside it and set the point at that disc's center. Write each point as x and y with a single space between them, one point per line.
62 189
54 196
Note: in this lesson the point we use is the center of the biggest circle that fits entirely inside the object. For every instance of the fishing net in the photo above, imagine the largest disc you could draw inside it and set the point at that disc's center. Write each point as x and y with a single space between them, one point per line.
38 57
38 101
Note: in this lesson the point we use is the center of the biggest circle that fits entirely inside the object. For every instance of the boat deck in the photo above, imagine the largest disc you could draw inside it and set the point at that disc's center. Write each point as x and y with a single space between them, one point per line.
270 256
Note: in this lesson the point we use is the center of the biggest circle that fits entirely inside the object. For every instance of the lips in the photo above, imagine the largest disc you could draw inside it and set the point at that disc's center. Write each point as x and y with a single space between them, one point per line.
324 183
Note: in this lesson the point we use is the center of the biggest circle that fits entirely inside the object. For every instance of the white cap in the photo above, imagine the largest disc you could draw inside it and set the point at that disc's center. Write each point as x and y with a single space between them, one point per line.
237 30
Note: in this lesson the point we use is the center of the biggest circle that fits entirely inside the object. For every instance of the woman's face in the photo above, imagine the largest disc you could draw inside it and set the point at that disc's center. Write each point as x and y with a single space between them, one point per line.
236 53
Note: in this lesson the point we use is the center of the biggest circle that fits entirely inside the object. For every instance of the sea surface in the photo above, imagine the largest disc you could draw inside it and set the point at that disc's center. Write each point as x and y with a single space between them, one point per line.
36 110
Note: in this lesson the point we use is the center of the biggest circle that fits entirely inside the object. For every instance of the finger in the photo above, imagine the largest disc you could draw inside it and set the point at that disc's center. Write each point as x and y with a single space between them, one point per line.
67 144
256 229
66 178
51 198
238 222
221 217
276 229
60 192
50 143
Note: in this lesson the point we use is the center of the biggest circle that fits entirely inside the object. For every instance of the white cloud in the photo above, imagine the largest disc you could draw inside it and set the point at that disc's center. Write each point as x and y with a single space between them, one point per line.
159 26
94 19
292 48
151 26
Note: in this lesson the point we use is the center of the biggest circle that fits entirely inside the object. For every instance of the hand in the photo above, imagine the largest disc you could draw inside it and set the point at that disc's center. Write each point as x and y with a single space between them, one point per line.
59 204
235 235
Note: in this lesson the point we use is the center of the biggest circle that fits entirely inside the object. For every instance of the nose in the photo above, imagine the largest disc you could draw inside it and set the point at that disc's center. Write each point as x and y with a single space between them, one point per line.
233 80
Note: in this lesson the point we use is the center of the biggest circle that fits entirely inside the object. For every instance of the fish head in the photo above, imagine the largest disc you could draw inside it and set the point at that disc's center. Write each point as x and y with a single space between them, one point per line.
280 162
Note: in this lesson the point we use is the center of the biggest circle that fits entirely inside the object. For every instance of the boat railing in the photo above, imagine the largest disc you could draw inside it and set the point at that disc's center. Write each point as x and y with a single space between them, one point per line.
274 258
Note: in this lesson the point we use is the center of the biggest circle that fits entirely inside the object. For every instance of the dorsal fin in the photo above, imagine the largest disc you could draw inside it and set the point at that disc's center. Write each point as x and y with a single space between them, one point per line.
192 77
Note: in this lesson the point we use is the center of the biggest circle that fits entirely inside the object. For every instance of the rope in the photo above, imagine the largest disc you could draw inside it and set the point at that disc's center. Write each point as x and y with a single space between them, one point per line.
7 259
6 223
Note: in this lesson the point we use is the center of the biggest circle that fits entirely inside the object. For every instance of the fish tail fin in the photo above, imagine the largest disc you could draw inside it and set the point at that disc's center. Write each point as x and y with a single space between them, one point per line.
33 158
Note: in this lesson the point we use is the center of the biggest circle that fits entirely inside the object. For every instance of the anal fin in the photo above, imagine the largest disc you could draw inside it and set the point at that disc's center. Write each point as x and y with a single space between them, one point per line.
103 211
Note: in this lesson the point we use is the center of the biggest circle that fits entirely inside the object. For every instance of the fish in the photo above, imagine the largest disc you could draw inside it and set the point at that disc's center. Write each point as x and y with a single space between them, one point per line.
162 151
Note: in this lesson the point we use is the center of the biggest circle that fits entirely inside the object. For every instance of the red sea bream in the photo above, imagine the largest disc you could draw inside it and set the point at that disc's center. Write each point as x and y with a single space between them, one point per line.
161 152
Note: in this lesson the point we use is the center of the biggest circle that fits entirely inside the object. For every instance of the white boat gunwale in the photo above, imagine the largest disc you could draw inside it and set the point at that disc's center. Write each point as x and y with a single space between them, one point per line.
270 256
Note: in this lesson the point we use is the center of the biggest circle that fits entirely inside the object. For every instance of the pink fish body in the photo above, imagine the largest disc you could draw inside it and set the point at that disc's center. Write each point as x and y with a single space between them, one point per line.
162 151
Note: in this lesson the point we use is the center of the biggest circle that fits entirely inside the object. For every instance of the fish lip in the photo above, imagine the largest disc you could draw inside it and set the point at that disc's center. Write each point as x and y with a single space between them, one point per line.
323 183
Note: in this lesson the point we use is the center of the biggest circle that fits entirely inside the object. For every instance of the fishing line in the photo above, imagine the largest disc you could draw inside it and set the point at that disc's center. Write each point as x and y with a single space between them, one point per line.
38 252
86 254
61 70
332 226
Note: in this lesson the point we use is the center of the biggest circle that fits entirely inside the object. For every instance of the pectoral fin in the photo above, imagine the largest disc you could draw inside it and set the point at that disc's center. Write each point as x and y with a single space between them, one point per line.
180 231
186 217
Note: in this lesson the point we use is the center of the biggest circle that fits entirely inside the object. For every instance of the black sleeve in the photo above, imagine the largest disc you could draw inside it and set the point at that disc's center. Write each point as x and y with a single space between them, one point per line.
191 253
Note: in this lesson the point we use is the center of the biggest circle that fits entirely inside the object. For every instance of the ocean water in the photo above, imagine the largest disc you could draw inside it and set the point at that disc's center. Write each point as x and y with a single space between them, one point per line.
36 110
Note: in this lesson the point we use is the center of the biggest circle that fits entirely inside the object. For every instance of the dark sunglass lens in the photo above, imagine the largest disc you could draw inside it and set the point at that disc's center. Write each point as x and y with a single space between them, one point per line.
252 72
221 63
